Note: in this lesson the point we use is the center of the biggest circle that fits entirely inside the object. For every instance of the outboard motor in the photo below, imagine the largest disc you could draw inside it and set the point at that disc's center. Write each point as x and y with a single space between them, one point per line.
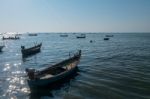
30 73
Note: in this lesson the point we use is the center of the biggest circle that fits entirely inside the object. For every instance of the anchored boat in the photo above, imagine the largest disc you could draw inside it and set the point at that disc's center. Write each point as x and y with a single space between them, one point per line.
54 73
106 38
11 38
30 51
81 36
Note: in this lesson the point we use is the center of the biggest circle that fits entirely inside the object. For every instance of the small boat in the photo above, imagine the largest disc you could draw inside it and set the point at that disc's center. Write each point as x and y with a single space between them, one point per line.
1 47
53 74
106 38
63 35
30 51
91 41
81 36
32 34
18 34
109 35
10 38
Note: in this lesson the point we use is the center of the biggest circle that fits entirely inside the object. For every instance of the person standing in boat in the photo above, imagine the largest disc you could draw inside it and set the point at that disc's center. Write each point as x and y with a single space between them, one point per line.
22 47
30 73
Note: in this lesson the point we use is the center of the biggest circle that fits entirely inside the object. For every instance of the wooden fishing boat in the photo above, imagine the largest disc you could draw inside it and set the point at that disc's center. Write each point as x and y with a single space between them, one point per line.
81 36
32 34
106 38
54 73
64 35
10 38
30 51
109 35
1 47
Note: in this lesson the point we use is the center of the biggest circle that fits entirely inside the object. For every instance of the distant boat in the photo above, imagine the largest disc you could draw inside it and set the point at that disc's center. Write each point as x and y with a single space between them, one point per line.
91 41
109 35
54 73
106 38
32 34
18 34
30 51
10 38
81 36
64 35
1 47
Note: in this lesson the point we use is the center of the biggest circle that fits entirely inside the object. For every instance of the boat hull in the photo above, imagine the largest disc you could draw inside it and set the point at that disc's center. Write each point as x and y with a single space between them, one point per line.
31 51
106 38
11 38
80 37
47 82
54 73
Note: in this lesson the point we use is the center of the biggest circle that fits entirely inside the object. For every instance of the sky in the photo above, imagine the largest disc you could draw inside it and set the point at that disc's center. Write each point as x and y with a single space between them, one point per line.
74 15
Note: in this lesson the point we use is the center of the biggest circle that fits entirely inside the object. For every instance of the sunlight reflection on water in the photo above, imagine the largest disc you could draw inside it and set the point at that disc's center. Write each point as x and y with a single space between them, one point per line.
7 67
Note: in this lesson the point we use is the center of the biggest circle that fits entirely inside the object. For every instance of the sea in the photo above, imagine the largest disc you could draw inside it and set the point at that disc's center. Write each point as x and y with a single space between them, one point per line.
118 68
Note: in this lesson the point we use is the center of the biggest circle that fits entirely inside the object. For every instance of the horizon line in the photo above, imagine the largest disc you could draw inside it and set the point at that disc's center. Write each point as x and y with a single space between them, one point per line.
67 32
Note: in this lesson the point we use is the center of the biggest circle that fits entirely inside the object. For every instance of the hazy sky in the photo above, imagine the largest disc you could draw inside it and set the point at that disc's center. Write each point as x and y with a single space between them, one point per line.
75 15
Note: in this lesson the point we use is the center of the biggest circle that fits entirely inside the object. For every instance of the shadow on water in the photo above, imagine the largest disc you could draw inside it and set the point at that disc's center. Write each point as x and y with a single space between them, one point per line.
1 52
27 56
46 91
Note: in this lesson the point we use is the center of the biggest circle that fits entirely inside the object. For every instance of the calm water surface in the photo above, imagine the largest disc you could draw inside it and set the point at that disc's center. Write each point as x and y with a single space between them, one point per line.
115 69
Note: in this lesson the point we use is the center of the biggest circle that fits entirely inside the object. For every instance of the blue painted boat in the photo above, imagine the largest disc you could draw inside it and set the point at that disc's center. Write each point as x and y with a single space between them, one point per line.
54 73
30 51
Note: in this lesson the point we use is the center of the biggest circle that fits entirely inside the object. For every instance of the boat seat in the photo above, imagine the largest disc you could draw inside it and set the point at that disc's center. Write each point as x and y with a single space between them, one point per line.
46 76
64 67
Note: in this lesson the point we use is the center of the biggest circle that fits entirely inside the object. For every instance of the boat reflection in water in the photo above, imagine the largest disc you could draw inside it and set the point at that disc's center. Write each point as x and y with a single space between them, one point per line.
54 73
38 93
